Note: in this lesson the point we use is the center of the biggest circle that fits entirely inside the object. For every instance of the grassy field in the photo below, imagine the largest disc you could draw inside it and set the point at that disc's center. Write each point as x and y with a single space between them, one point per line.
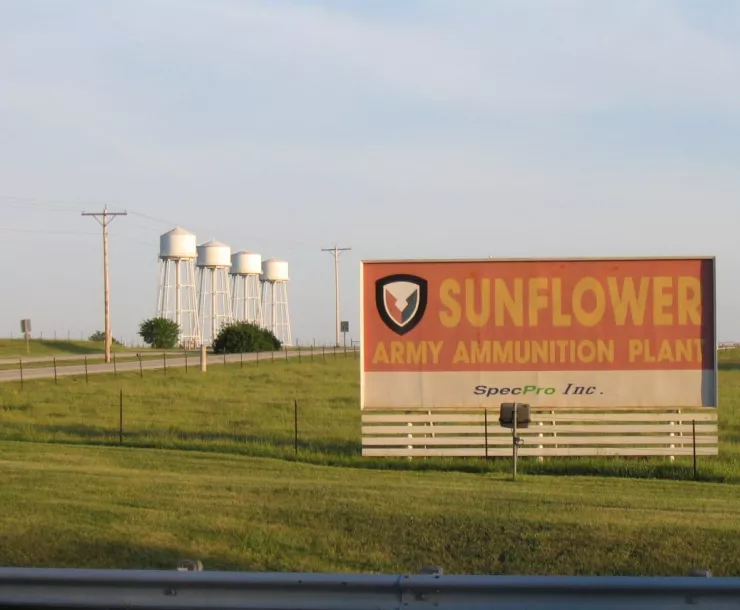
114 507
16 348
250 411
208 470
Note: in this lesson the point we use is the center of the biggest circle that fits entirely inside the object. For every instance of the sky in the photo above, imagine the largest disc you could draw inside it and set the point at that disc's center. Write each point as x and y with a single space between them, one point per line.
413 129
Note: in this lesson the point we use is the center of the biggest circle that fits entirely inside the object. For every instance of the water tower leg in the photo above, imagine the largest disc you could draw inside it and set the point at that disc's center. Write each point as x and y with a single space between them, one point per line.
178 302
245 293
214 304
273 286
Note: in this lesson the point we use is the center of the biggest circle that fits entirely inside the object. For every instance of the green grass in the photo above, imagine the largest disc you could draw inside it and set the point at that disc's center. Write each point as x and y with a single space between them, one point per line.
16 348
250 411
119 508
198 477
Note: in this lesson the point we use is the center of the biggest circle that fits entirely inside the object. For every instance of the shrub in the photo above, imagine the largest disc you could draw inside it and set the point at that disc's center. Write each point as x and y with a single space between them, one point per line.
99 336
245 337
160 333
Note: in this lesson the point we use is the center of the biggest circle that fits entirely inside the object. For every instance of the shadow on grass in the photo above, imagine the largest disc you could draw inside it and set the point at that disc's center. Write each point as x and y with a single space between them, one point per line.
51 550
347 454
184 439
70 347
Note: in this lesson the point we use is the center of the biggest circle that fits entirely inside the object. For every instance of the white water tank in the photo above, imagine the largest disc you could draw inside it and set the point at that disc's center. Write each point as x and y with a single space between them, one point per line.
177 244
214 254
246 263
275 270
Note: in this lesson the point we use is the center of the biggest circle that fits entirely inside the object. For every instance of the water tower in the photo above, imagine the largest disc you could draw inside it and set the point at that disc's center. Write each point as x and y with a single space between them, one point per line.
246 295
275 312
177 299
214 306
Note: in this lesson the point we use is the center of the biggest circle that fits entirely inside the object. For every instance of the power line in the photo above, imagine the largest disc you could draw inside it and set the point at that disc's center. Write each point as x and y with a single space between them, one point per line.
43 203
5 230
105 218
213 231
154 218
336 252
72 206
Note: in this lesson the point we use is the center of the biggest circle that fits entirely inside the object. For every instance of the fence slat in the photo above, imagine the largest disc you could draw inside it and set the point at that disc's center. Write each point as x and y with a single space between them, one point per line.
544 452
560 432
463 441
684 428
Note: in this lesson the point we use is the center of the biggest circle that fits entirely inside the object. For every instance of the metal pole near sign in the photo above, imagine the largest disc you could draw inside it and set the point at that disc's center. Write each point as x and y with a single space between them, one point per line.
336 252
513 415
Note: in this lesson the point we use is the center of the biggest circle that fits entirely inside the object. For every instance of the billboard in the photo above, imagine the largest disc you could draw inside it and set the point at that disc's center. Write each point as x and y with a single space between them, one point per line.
560 333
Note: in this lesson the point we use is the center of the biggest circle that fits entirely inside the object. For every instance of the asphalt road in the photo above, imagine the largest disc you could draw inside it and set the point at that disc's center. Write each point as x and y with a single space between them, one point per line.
172 362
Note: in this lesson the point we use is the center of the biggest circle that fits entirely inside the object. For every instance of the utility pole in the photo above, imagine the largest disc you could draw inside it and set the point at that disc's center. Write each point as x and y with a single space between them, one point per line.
336 252
105 218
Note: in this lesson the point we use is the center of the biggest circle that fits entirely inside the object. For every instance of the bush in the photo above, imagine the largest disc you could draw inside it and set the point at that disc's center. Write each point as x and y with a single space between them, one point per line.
160 333
245 337
99 337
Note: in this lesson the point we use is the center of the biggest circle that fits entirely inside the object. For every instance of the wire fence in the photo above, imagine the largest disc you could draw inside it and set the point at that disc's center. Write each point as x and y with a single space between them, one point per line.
136 342
276 403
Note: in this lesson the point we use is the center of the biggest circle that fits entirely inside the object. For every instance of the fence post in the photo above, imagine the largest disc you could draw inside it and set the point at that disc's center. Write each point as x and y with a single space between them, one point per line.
164 360
20 365
513 443
485 429
87 380
55 370
186 360
115 367
241 358
203 358
295 426
258 358
141 368
120 418
286 353
693 433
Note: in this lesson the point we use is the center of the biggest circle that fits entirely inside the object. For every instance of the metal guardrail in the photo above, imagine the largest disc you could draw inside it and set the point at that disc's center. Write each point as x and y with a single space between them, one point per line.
175 590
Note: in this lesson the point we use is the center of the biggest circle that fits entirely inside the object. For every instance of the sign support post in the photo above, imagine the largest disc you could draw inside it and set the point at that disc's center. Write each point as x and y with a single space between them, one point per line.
26 330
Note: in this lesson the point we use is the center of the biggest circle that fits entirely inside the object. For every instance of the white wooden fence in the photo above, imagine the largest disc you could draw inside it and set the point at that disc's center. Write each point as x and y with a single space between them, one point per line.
552 432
